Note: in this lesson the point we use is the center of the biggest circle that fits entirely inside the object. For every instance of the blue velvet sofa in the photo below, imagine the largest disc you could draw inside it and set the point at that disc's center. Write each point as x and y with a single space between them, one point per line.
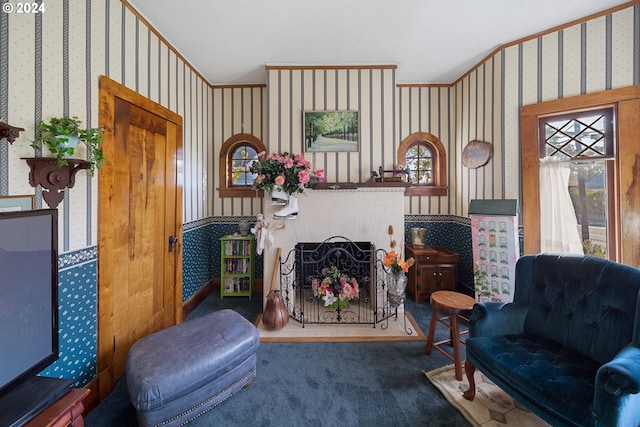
568 347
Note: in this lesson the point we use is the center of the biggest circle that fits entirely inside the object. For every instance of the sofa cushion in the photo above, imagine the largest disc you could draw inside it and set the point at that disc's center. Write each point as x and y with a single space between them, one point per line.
551 376
578 301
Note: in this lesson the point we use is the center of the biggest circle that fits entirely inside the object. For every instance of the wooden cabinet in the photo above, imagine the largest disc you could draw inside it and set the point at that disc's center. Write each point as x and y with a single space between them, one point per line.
237 266
434 270
66 411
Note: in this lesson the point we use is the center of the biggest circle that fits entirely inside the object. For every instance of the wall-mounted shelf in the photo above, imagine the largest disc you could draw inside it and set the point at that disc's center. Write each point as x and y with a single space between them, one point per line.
53 178
8 132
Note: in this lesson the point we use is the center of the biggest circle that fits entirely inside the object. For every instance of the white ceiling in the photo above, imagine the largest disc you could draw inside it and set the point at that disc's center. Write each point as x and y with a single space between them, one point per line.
431 41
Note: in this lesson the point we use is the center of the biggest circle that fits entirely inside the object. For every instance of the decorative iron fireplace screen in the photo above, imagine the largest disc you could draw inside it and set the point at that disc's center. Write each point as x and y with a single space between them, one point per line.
309 263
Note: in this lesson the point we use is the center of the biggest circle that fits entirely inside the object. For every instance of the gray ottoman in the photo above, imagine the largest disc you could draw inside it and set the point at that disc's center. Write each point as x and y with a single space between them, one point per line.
178 373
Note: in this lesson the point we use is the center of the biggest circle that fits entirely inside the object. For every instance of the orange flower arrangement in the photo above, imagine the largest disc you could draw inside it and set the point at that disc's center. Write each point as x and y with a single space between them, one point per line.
393 260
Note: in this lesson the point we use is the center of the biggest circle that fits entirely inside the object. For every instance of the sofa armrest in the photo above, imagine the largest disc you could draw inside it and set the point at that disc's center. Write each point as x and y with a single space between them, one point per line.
497 318
616 394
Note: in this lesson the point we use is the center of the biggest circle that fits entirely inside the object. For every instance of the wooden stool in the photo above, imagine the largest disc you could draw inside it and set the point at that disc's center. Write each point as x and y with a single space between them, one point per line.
453 304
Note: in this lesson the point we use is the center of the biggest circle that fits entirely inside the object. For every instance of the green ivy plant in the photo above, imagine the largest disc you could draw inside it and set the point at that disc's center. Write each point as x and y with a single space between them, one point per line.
59 132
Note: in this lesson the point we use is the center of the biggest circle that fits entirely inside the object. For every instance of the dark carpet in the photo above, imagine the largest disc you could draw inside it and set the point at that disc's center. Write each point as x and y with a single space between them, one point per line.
320 384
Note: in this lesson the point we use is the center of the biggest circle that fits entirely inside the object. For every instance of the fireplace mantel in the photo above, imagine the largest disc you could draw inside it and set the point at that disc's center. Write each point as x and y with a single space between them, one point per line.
359 214
367 189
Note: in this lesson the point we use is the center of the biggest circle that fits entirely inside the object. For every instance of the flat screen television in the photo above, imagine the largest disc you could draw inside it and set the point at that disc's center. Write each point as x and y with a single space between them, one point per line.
28 313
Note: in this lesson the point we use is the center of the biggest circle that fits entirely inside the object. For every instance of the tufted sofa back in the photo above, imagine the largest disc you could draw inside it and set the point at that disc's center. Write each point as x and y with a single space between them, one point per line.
583 302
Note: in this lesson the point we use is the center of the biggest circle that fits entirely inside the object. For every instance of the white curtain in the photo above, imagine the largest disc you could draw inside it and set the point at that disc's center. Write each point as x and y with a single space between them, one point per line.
558 224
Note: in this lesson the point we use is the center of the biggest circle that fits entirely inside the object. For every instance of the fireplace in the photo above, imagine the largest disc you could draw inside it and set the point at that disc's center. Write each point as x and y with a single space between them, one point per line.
359 215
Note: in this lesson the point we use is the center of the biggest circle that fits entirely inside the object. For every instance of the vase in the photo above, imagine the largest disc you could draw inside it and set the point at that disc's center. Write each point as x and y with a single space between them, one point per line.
418 237
244 228
68 141
396 285
275 315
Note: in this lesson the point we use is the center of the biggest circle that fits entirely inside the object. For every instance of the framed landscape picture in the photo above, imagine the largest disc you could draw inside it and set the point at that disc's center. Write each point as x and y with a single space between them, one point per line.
331 131
17 203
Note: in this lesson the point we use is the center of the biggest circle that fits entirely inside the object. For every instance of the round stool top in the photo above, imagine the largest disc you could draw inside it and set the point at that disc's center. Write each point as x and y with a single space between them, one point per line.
452 301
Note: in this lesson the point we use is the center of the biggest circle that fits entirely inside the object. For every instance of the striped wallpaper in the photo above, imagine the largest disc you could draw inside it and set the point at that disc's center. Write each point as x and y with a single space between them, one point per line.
49 66
239 109
592 56
429 109
371 91
598 54
50 63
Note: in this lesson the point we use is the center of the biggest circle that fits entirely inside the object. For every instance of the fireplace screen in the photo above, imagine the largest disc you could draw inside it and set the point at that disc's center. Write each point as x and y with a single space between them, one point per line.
335 281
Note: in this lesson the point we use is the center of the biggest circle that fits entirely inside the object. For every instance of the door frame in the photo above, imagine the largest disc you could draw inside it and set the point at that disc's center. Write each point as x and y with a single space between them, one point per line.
109 90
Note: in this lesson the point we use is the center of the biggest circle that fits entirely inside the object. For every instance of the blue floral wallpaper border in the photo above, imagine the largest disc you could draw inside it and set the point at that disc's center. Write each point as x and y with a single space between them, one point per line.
201 251
201 262
452 232
77 317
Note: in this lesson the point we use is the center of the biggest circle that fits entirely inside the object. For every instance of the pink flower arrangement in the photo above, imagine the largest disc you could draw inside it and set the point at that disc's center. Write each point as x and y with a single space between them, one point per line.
335 287
291 172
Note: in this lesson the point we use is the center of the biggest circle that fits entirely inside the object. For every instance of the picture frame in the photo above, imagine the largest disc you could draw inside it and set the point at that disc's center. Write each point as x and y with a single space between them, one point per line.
17 203
331 131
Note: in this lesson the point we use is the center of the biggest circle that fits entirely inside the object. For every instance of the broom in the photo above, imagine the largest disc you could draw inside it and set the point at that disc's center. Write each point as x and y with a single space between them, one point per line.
275 314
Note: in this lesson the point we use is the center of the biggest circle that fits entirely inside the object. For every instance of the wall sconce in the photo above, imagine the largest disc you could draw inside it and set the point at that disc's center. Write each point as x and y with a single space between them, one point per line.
8 132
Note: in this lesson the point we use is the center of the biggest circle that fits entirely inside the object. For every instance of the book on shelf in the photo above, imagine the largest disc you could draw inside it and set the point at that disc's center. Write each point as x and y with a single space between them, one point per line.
237 266
237 247
236 284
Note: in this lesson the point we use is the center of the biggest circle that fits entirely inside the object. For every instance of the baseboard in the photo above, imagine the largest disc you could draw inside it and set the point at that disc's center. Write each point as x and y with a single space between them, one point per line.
202 293
212 286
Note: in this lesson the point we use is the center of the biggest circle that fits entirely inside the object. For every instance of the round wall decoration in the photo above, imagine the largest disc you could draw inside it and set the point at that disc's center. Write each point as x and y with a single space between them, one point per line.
476 154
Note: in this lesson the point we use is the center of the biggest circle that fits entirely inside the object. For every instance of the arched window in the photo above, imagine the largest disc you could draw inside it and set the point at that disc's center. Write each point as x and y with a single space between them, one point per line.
419 162
423 155
236 156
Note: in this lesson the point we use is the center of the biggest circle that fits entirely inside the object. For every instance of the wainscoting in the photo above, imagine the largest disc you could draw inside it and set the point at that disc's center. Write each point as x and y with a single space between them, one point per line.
201 260
201 265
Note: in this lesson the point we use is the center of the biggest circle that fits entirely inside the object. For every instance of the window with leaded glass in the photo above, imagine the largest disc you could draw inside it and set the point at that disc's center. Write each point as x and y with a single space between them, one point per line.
585 139
584 134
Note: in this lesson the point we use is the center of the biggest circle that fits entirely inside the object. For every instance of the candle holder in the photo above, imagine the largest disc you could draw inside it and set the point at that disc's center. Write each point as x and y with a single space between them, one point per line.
418 237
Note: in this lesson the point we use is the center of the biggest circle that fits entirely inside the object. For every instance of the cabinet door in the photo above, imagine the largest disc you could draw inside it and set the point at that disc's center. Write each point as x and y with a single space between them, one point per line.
446 278
427 282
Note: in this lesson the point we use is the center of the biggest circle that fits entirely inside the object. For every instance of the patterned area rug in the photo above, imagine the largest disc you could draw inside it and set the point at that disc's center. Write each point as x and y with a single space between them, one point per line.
491 406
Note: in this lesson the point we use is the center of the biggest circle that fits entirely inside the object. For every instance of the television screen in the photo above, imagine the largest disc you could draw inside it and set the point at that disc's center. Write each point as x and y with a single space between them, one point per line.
28 294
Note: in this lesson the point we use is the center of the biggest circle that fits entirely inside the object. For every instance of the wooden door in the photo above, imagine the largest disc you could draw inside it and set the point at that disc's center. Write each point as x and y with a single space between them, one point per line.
140 209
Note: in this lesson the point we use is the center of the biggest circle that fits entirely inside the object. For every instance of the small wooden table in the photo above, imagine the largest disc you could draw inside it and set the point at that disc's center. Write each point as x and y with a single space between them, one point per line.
453 304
